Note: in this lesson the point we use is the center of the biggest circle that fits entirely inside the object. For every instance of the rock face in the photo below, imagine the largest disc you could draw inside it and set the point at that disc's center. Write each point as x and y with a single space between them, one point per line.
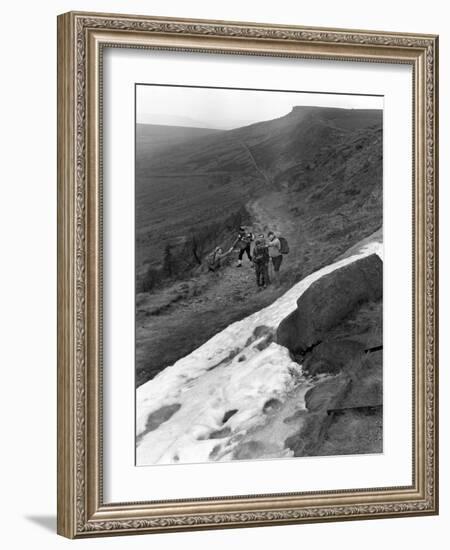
337 318
329 300
314 428
332 356
344 413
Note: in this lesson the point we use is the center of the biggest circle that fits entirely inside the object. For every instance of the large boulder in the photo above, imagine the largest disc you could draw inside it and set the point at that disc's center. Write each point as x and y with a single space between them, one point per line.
344 414
326 395
329 300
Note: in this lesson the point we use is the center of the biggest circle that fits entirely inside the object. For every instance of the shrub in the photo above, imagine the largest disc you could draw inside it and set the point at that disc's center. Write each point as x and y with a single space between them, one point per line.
152 278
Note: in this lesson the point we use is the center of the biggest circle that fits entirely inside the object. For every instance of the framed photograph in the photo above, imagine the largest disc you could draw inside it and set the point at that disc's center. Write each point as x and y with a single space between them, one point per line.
247 274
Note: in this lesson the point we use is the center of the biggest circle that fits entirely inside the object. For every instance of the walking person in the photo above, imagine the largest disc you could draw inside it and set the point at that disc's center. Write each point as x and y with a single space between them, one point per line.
276 256
243 243
261 263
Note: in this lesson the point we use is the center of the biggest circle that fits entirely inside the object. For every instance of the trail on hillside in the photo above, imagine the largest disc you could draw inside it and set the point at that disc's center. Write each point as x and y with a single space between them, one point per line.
211 301
175 320
265 177
240 283
270 214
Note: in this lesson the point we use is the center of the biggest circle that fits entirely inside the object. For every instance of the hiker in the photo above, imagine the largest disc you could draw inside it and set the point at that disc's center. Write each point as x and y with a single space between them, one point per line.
275 254
214 259
243 243
261 263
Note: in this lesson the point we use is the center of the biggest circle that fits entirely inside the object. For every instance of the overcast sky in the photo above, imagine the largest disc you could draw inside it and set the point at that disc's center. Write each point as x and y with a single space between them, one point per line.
227 109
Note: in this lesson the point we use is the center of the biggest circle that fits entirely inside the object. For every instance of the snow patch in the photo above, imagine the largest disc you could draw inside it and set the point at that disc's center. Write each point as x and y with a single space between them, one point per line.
210 381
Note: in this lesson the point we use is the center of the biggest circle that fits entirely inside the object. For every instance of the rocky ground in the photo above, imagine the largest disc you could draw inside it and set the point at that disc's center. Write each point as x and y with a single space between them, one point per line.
262 389
336 335
345 411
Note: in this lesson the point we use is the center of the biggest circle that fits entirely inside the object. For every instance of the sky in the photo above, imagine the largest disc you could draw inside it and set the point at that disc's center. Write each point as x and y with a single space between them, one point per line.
230 108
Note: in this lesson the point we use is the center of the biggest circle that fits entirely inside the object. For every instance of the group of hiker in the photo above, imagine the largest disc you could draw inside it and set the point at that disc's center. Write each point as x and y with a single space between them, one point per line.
265 255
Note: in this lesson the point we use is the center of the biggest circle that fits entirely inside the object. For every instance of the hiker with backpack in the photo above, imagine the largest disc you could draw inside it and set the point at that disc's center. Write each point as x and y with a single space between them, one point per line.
214 260
261 262
243 243
277 247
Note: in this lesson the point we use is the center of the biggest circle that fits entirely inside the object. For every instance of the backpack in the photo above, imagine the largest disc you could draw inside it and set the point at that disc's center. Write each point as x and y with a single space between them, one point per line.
284 247
260 254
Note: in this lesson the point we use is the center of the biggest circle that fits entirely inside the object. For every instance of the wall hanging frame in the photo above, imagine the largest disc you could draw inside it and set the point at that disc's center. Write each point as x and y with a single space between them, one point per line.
193 394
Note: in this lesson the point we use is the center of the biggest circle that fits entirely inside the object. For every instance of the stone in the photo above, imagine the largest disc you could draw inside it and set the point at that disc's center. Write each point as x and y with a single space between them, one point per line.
329 300
332 356
328 394
325 395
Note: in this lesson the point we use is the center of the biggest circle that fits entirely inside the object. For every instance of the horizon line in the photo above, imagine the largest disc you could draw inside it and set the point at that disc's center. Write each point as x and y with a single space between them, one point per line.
258 121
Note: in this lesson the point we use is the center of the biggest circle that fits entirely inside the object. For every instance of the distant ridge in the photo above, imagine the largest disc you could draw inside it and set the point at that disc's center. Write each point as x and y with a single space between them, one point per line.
176 127
155 138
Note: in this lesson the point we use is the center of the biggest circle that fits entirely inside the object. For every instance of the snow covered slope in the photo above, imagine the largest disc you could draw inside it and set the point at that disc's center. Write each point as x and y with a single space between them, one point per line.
200 408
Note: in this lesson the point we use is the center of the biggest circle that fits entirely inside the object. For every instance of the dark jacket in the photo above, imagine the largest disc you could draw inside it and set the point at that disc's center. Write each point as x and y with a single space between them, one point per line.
244 239
261 254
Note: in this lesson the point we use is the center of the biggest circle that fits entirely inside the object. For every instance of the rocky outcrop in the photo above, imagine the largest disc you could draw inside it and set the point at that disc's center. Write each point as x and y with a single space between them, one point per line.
339 318
344 414
329 300
332 356
314 427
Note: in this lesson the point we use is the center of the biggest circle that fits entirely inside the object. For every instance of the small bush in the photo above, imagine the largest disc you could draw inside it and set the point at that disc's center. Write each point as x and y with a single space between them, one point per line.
152 278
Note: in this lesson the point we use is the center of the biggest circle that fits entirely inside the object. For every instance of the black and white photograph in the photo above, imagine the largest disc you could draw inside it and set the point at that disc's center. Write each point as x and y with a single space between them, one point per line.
258 274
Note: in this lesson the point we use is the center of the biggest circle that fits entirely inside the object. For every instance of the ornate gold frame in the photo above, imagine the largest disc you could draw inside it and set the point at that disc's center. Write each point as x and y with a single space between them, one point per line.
81 37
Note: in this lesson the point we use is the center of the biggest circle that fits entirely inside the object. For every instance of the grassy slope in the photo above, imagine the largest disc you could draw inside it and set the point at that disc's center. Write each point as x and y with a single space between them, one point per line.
315 175
203 179
183 189
155 138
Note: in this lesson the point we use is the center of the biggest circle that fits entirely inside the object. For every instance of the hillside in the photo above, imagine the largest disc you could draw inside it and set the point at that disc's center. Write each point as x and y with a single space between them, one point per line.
155 138
262 401
203 180
314 175
272 144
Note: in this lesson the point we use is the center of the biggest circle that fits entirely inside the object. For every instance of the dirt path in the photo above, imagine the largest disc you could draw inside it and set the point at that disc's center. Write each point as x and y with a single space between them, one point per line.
239 284
255 164
269 214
